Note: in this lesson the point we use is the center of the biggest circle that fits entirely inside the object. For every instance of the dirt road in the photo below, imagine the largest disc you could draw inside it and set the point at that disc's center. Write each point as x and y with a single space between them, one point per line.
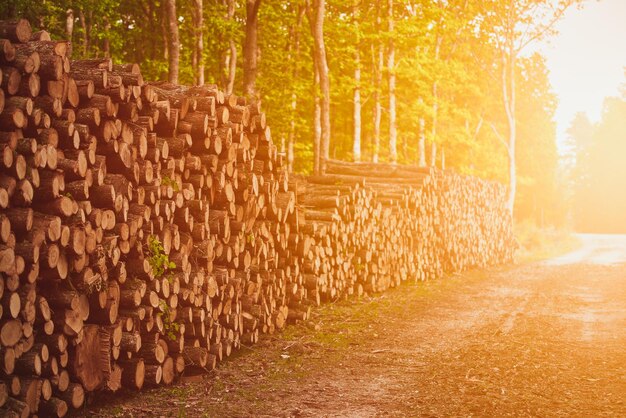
595 249
544 339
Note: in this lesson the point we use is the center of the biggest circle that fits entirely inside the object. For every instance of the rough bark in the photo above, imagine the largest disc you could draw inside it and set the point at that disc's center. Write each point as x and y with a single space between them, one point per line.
69 23
174 42
163 24
393 134
198 22
295 54
421 145
106 44
356 143
508 88
83 24
377 58
231 56
321 64
250 48
435 106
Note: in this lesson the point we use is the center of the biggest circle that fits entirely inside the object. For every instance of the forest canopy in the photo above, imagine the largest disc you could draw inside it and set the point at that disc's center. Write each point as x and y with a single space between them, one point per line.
414 81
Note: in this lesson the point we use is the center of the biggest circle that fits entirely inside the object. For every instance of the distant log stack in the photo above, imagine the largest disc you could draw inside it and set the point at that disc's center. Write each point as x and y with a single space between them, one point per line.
148 229
389 223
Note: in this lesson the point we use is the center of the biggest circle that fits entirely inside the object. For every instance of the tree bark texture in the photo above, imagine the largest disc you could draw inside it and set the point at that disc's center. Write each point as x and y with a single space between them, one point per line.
356 143
198 59
174 41
250 48
319 10
393 134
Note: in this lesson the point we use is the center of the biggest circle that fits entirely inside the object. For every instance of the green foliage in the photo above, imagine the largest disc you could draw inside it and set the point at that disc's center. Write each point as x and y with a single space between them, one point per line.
171 328
447 65
159 261
166 181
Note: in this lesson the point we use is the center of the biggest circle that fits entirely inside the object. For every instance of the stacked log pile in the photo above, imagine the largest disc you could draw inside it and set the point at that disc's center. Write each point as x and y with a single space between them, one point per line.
148 229
390 223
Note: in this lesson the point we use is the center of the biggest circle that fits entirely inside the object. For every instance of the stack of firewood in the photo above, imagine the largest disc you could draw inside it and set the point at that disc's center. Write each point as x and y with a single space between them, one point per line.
374 226
148 229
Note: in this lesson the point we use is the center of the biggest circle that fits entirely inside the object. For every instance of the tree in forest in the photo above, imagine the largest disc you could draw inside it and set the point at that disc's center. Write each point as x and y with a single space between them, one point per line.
230 63
250 48
448 23
391 69
198 49
377 64
69 24
442 50
578 159
316 18
174 42
294 55
600 174
356 144
514 25
580 137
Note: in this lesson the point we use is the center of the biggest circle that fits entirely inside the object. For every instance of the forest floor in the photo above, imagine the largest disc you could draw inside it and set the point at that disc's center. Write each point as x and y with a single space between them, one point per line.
537 339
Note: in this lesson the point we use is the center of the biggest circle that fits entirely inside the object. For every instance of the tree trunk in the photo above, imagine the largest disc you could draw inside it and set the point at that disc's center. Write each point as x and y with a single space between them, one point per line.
317 122
232 67
294 96
194 51
378 75
435 107
250 48
106 47
433 154
69 23
83 24
198 22
393 135
231 57
89 24
356 145
508 86
433 130
421 145
443 158
322 69
174 42
164 26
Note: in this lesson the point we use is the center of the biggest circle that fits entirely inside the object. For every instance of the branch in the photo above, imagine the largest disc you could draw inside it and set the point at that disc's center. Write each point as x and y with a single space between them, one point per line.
478 126
500 138
547 27
483 66
532 19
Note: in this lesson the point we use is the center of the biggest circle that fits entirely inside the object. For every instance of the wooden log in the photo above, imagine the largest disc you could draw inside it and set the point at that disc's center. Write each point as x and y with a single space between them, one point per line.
7 51
74 395
10 332
87 364
17 408
30 393
54 407
133 373
15 30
